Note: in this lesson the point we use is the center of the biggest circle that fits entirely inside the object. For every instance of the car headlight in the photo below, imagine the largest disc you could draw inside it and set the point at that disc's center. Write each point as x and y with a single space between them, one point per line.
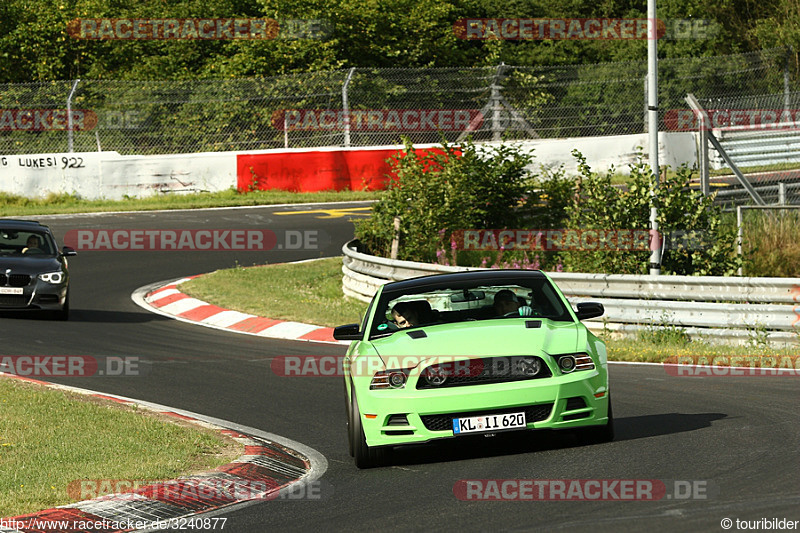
574 362
389 379
52 277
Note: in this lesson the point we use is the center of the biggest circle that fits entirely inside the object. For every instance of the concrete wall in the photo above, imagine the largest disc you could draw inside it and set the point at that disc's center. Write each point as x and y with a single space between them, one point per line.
109 175
618 151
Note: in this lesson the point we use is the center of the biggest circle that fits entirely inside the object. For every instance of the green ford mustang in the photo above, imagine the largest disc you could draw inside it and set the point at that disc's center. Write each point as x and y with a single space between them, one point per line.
472 353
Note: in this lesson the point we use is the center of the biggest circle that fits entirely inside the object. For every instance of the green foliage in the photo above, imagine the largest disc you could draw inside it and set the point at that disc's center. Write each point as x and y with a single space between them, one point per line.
35 46
438 192
664 332
696 240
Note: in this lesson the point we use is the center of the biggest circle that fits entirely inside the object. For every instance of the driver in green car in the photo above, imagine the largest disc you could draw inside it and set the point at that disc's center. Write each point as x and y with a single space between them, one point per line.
506 303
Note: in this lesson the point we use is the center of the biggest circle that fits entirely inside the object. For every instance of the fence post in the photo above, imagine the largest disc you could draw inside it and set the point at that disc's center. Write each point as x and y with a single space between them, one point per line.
497 104
346 107
395 239
646 119
69 116
703 125
739 236
786 92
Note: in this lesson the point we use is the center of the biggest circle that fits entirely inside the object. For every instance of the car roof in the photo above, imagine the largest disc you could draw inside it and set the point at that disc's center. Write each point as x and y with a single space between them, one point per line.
12 223
491 276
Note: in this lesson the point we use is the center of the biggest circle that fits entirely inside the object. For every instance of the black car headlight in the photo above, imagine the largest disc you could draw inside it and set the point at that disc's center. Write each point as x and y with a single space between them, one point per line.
52 277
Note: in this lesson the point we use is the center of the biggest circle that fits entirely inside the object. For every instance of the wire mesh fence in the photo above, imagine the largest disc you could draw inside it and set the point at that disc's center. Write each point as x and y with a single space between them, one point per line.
362 106
760 134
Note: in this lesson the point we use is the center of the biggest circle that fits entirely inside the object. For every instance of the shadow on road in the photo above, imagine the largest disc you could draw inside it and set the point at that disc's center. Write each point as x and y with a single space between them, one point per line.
474 447
640 427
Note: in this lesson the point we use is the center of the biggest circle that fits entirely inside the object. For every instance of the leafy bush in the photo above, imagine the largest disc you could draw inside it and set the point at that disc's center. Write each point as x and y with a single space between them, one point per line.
461 187
696 240
438 192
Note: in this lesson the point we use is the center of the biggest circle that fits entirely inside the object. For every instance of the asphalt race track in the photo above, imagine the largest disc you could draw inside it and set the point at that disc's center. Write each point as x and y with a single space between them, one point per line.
734 439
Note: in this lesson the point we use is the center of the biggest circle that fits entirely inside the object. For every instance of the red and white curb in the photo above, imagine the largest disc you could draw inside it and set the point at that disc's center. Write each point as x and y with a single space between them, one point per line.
165 298
270 463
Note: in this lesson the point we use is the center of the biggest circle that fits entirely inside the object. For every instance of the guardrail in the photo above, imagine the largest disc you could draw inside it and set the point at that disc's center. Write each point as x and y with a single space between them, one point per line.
711 306
749 147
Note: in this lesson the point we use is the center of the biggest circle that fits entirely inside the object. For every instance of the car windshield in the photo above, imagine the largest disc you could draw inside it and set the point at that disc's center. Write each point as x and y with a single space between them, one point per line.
468 301
26 243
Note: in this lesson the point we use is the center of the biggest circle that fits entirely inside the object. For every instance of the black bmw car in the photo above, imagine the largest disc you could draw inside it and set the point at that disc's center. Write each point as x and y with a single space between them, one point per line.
33 271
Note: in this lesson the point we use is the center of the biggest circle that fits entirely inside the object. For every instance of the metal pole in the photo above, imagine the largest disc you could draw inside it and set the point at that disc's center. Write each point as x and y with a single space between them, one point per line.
69 116
645 116
497 105
786 97
395 239
285 130
781 193
652 128
739 235
704 126
346 107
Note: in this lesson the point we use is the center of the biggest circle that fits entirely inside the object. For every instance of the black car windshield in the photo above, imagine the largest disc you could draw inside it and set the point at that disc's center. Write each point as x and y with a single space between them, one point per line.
26 243
468 301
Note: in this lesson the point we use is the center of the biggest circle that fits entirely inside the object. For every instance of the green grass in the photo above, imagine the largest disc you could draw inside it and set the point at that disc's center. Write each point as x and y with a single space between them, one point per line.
646 350
776 167
771 243
49 438
306 292
12 205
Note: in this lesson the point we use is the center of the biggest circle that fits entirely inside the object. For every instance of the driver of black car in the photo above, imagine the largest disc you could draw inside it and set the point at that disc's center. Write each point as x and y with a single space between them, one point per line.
33 245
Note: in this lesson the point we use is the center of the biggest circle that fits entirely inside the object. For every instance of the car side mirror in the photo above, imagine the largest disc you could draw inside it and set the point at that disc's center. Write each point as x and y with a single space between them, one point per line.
589 310
67 251
348 332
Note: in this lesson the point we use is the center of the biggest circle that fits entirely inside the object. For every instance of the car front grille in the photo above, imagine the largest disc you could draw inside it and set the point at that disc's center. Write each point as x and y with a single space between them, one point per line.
444 422
13 300
482 372
15 280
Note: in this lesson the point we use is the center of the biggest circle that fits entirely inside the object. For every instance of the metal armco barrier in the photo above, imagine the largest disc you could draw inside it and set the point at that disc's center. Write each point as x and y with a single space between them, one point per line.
712 306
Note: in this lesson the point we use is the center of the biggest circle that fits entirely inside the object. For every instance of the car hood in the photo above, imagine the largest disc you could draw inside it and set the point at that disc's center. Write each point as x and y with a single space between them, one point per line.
506 337
29 265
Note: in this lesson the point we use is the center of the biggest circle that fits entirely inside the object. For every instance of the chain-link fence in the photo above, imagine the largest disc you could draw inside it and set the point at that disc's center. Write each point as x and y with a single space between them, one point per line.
760 136
360 107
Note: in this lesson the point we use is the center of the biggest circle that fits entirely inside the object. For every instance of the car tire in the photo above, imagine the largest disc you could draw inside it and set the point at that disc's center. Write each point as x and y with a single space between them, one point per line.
601 434
365 456
347 406
63 313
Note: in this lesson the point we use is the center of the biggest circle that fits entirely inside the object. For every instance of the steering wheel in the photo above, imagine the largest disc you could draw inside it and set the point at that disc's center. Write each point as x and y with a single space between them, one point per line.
523 311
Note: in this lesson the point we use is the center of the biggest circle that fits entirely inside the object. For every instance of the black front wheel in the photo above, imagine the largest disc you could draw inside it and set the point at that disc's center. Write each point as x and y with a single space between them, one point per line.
365 456
63 313
347 405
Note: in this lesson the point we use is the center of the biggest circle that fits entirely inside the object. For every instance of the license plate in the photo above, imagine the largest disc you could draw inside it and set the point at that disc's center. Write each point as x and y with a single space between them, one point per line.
10 290
488 423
